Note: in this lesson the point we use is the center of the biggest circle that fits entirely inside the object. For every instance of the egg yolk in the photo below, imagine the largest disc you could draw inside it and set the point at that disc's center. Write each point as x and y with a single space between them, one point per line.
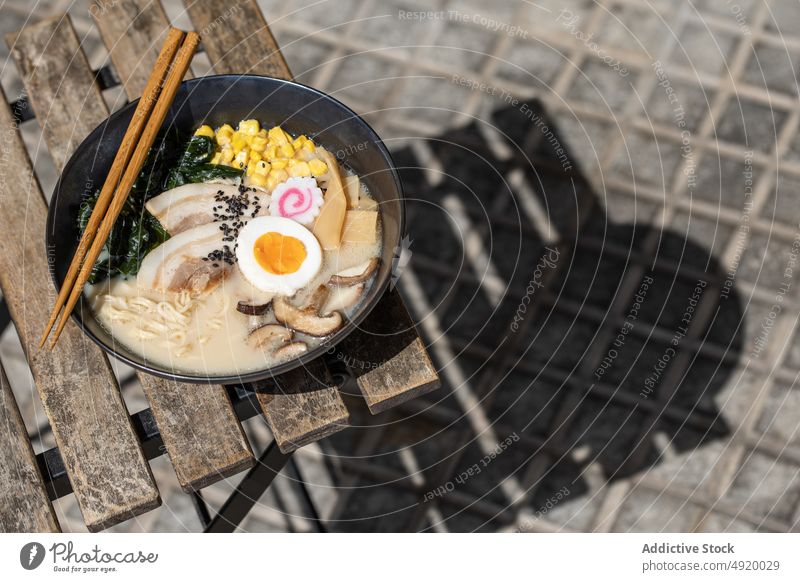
279 254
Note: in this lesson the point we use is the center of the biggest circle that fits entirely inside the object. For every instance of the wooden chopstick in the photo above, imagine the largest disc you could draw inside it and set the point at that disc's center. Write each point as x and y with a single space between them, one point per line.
151 129
132 135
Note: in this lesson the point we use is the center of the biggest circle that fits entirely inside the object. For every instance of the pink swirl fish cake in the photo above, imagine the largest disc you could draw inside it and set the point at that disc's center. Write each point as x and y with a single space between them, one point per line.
298 199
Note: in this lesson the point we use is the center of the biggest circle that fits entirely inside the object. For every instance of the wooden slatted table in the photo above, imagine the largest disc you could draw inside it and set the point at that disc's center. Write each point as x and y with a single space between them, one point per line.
101 451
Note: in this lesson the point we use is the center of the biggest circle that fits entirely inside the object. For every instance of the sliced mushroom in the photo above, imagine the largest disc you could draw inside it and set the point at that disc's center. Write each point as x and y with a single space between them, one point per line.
317 299
357 274
253 308
341 298
269 336
306 320
291 350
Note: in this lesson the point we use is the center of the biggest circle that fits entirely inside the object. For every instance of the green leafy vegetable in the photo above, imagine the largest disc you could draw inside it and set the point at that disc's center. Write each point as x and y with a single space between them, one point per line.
137 232
194 165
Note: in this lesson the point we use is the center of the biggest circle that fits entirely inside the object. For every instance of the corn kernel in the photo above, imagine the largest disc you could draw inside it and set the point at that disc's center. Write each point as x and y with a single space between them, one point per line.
238 141
205 130
216 158
309 146
251 168
280 163
259 180
279 175
271 152
249 126
318 167
262 168
277 136
286 150
223 138
227 155
225 128
240 161
300 170
262 133
298 143
258 143
254 155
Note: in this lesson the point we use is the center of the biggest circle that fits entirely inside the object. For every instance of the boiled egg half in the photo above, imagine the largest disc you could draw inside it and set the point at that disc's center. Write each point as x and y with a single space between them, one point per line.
278 255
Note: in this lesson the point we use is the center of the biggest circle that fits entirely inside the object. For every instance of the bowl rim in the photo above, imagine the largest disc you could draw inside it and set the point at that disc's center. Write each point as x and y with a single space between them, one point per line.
352 323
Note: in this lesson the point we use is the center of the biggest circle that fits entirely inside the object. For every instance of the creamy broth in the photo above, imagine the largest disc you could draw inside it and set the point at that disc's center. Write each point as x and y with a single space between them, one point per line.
206 335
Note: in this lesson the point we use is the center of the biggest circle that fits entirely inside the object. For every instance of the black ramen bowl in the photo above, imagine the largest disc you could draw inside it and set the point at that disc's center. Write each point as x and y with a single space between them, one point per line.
216 100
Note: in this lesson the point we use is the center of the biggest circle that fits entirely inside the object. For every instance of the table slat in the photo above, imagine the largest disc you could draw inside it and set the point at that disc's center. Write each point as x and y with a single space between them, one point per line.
24 504
201 432
59 82
302 406
236 38
388 358
106 467
133 32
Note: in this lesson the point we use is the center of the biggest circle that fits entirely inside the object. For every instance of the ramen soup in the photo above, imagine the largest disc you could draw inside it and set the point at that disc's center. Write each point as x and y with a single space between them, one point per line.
251 250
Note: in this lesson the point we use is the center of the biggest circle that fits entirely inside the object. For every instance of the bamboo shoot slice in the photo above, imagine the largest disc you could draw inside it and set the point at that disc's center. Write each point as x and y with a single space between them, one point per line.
353 187
328 226
360 226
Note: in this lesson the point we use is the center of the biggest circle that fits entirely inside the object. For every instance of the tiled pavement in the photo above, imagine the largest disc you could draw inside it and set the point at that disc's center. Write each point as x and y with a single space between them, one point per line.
680 120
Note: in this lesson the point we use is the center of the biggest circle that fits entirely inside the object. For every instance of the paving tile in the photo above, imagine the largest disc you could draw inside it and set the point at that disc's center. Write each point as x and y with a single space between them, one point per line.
588 139
647 511
783 17
699 49
692 470
735 400
781 411
432 99
531 63
754 125
792 357
500 11
733 10
644 159
692 98
304 55
364 77
724 181
327 14
638 31
781 205
462 46
774 69
721 523
574 514
387 27
712 235
764 263
546 16
766 487
599 85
